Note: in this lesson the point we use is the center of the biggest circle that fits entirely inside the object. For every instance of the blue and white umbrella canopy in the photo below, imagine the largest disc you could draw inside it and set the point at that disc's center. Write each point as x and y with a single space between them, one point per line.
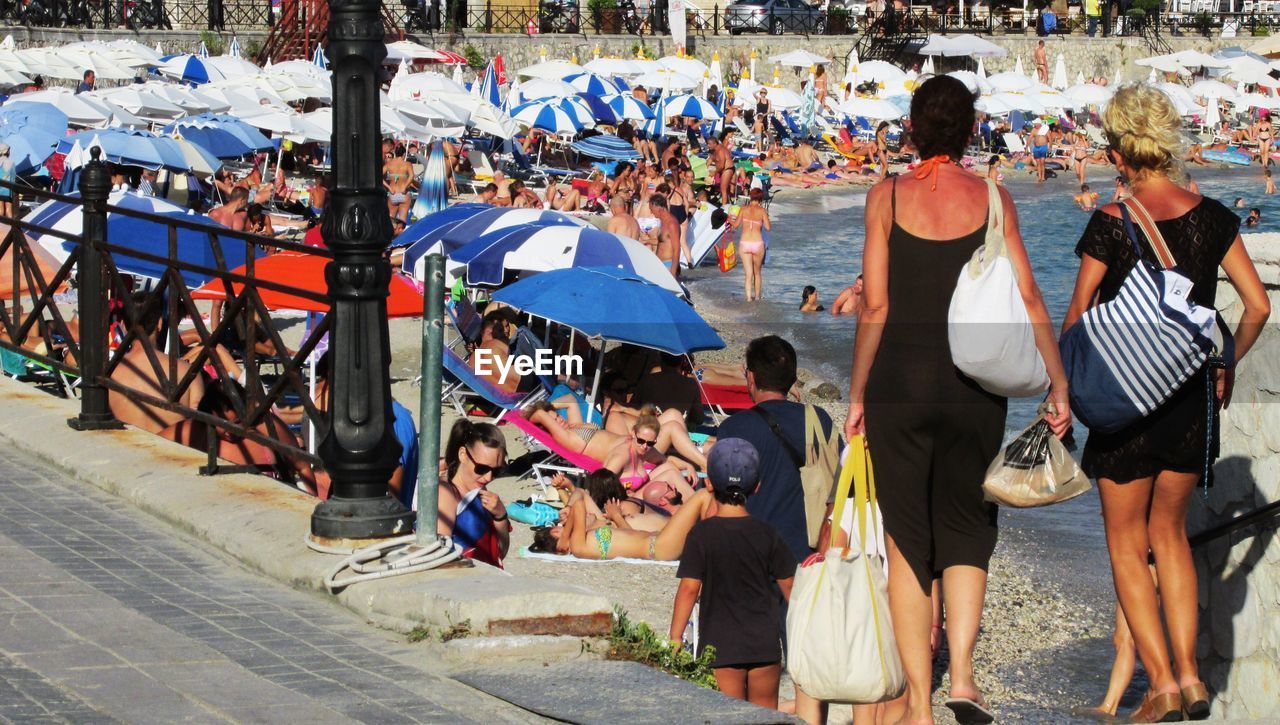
141 235
234 47
489 86
629 107
131 147
553 116
32 131
199 70
594 84
432 194
225 137
606 146
601 112
449 230
691 106
318 59
656 127
637 312
203 52
490 258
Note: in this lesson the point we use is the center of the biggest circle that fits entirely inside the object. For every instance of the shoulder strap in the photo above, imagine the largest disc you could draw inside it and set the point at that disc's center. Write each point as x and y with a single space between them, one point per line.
795 456
893 199
1151 231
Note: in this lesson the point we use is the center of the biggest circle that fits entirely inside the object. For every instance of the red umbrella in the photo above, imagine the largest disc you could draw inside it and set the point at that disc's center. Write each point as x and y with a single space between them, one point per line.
306 272
451 58
500 70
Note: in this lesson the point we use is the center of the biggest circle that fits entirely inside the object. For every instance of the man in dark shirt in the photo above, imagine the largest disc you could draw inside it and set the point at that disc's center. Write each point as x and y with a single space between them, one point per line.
667 388
771 372
87 83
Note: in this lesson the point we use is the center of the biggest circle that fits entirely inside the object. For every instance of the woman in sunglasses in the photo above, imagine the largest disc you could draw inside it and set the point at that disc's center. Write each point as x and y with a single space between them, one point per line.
591 440
474 516
646 473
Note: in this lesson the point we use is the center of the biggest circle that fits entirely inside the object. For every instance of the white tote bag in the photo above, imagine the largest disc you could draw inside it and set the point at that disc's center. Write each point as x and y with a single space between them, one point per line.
841 644
991 337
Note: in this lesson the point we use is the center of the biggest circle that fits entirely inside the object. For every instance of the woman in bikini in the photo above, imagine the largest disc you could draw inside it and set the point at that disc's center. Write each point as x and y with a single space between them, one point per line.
608 503
645 472
399 177
1265 134
473 516
753 221
591 440
574 536
882 149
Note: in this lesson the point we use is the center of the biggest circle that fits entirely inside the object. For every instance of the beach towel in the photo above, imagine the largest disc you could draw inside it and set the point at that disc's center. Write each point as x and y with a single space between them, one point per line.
473 531
568 559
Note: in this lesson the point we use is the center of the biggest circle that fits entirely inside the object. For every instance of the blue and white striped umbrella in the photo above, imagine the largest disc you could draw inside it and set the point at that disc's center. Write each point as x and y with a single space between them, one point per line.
553 116
606 146
318 59
689 105
233 48
223 136
592 83
489 86
600 111
526 249
433 194
629 107
657 126
203 52
448 230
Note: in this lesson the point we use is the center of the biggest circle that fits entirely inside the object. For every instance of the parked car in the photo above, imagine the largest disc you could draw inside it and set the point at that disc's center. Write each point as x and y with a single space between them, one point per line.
775 17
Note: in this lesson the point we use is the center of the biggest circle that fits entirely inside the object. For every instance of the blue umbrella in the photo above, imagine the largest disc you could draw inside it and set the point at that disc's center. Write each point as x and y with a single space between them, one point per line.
594 84
32 131
489 86
457 228
223 136
630 107
190 69
613 305
318 59
548 116
657 126
690 105
600 110
606 146
131 147
429 225
433 194
523 249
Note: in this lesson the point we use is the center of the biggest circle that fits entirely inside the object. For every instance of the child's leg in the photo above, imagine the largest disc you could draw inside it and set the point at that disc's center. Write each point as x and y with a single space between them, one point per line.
1122 668
732 681
762 685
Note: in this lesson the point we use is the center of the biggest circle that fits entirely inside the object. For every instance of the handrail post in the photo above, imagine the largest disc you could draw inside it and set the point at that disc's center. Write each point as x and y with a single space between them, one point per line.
95 408
429 421
360 451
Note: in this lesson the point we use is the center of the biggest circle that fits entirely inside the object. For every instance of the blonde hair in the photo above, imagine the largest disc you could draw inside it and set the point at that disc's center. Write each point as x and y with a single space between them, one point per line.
1142 126
648 418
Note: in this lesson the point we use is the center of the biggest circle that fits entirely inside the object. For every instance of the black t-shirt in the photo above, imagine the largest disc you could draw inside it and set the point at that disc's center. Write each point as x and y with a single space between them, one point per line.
669 389
737 560
780 500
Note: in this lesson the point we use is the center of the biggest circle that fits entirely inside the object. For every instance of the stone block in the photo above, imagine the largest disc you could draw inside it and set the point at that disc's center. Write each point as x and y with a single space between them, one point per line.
1257 681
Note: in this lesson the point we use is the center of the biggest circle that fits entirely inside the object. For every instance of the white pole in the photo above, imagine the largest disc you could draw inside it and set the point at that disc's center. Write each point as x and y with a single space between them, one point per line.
595 384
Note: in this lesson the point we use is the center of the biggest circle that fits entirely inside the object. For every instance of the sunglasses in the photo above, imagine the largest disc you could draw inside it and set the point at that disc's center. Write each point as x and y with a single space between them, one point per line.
484 469
645 442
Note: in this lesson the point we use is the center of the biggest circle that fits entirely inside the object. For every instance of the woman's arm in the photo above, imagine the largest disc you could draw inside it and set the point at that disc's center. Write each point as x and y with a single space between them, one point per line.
1059 418
686 596
446 510
765 222
1087 281
1257 308
875 296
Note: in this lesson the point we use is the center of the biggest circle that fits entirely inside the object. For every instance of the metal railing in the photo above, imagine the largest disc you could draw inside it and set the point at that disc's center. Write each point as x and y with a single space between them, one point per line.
107 345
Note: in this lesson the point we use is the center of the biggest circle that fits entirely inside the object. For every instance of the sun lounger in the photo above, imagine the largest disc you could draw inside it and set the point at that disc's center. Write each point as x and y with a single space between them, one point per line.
461 383
1094 134
1014 143
563 460
467 322
721 400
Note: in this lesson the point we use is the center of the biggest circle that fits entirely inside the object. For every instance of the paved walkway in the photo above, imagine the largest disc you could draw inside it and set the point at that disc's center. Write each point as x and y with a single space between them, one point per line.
106 615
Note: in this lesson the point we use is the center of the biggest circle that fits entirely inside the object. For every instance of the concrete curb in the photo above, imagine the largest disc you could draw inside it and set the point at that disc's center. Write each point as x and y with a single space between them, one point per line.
263 524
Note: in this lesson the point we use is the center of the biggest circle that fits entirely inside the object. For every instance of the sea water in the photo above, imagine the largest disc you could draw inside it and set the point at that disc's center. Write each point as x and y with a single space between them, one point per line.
817 240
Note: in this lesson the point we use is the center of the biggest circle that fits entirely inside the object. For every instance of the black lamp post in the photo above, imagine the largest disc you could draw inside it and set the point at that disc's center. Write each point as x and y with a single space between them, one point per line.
360 450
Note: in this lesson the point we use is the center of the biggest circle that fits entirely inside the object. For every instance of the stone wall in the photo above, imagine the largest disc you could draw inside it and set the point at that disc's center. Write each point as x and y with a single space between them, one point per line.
1239 645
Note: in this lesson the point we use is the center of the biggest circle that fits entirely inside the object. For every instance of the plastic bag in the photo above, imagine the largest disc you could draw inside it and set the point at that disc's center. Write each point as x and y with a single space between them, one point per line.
1035 469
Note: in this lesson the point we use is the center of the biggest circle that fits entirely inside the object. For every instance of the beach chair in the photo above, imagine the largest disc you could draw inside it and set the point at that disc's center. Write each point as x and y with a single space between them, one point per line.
864 129
1095 136
28 370
562 460
722 400
794 128
1014 143
525 169
781 131
467 322
462 384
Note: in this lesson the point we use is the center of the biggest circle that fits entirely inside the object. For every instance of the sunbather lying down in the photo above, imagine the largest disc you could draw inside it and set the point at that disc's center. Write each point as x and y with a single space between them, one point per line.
591 440
574 536
608 503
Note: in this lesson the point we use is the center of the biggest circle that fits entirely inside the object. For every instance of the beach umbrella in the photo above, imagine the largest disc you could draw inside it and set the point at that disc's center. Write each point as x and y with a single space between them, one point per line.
1010 82
1017 67
668 79
184 97
629 107
809 107
457 75
115 115
606 146
873 108
982 71
1182 99
593 83
1060 73
12 78
489 88
1195 59
451 229
1212 113
1089 94
639 312
1079 78
447 217
306 272
1248 70
233 48
878 71
971 80
994 106
683 65
141 102
72 162
407 50
1212 89
973 46
224 136
288 123
131 147
540 88
70 63
550 70
690 106
1119 79
935 45
1163 63
1256 100
199 70
78 111
799 58
614 67
490 258
552 116
433 194
1028 102
927 69
144 236
416 85
203 50
600 111
318 59
32 131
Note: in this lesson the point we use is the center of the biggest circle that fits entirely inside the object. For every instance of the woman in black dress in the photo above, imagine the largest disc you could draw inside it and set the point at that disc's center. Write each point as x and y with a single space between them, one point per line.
932 431
1147 472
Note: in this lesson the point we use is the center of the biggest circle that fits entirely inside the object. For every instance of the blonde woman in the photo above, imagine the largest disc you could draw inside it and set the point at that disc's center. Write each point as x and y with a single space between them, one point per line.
1147 472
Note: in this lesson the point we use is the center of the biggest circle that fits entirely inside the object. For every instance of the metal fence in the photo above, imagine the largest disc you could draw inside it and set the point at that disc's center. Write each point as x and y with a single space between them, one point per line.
94 345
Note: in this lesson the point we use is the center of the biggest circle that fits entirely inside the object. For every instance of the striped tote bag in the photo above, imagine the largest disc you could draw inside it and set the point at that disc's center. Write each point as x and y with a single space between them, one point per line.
1126 357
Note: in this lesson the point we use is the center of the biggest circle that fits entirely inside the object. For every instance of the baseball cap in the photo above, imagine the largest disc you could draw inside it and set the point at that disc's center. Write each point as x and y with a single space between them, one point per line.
733 462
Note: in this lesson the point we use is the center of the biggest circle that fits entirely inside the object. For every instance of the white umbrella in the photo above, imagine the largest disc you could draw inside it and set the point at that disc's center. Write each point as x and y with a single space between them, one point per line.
1079 78
880 72
1088 94
927 68
231 66
1213 115
115 115
423 84
994 106
1196 59
433 111
545 88
457 75
982 71
1250 70
1017 68
1010 81
935 45
550 69
1060 73
485 117
974 47
872 108
971 80
12 78
288 123
79 60
691 106
184 98
1168 63
1028 102
691 67
799 58
715 73
78 111
1119 79
664 78
1182 99
141 102
629 107
783 99
407 50
1256 100
614 67
1212 89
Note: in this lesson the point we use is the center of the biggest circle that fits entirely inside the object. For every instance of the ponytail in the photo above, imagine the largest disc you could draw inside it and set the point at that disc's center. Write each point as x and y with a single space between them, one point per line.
465 434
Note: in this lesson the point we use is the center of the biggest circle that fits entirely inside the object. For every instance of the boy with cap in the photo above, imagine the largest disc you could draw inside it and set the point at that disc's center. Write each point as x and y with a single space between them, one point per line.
732 560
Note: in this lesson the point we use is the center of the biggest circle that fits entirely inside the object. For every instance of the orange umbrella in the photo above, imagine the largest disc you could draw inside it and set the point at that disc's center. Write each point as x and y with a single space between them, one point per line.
306 272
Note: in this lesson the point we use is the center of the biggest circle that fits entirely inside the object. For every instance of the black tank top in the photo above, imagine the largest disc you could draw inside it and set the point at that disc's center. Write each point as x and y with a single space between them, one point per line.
922 278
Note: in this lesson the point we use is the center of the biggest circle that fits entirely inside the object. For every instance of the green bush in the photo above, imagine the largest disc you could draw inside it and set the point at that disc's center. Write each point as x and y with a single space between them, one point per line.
213 41
474 57
636 641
